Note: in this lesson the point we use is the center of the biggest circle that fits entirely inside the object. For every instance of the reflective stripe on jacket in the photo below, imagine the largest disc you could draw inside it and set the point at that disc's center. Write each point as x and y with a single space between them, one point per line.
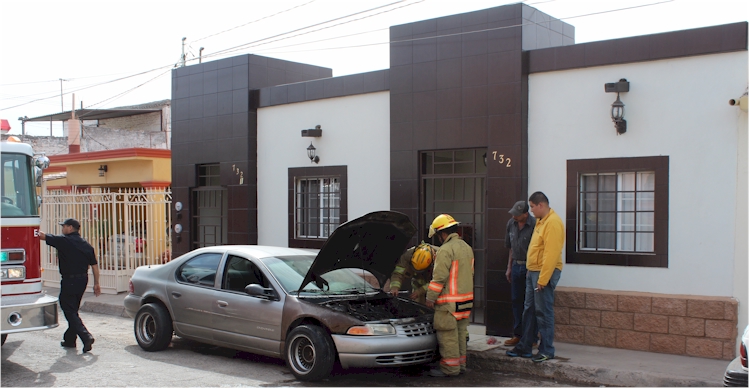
452 285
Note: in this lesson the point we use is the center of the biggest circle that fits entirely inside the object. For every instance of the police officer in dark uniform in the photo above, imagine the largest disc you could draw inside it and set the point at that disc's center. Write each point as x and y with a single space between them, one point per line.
75 256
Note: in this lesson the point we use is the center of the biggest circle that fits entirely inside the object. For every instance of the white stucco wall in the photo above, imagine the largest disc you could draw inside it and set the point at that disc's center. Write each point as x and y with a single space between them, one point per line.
678 108
356 134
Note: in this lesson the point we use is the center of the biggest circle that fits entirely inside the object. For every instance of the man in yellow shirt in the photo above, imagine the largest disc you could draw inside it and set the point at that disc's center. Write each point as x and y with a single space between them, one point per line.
544 265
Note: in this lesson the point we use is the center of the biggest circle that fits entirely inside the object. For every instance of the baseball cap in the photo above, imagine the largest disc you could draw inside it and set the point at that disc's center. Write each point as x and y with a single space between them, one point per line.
519 208
71 222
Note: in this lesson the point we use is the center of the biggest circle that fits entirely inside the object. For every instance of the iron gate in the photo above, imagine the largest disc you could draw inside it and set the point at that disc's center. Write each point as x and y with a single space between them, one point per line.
128 227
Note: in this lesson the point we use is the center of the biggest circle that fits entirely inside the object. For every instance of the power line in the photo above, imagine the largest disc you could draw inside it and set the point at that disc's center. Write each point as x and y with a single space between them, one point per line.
235 48
268 50
254 21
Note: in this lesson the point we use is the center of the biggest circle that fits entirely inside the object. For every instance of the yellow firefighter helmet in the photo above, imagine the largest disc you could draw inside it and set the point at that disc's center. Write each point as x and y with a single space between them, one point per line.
422 257
441 222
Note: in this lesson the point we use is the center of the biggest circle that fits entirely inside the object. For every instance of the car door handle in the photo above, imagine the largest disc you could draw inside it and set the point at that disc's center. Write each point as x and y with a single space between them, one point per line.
176 295
222 303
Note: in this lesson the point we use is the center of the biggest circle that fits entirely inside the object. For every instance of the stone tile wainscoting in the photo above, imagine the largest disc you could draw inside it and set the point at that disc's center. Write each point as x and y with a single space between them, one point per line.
673 324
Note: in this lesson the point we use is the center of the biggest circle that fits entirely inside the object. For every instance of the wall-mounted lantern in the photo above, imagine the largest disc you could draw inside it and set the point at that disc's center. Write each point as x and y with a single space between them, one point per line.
317 132
618 107
102 170
311 154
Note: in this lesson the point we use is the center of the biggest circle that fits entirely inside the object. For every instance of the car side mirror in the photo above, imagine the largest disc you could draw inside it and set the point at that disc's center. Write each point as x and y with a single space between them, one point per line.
259 291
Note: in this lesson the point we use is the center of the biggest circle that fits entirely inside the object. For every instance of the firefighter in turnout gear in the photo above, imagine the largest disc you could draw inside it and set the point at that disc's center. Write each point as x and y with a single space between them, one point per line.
415 264
451 293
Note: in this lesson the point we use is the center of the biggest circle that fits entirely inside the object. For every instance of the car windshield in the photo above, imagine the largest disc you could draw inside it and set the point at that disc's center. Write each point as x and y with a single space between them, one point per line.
291 270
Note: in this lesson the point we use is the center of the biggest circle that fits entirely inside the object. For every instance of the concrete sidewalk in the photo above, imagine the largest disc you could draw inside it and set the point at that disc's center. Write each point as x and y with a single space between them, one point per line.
574 363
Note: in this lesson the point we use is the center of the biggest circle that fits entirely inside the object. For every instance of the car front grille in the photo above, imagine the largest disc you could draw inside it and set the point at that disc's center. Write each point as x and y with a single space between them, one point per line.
415 329
404 359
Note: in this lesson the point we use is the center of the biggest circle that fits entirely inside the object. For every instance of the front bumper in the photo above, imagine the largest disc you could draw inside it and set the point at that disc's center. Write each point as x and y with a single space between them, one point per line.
385 351
735 375
28 313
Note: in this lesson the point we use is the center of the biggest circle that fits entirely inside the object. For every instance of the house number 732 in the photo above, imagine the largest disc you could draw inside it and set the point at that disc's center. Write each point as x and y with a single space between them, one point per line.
501 159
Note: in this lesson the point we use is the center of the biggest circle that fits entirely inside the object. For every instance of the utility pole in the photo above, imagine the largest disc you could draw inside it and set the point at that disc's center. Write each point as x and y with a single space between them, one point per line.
183 52
62 109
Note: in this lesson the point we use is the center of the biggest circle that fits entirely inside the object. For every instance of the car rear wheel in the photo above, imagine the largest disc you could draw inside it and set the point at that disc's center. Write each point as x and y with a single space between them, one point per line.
153 327
310 353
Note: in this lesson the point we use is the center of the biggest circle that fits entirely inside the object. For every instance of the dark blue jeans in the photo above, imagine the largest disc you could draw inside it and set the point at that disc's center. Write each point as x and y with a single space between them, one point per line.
539 311
71 293
518 293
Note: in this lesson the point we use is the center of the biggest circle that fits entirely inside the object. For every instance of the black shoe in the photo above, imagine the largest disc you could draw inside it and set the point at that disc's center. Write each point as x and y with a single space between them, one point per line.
438 373
67 344
539 357
515 352
87 344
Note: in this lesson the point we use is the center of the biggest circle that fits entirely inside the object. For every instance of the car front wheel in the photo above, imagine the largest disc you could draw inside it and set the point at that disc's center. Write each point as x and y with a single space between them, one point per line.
310 353
153 327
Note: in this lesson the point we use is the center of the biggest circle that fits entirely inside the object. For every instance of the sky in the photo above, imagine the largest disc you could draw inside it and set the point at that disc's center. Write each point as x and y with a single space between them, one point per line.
116 53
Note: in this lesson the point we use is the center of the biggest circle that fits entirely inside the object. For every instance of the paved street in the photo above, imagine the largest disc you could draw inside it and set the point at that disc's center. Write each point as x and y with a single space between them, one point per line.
35 359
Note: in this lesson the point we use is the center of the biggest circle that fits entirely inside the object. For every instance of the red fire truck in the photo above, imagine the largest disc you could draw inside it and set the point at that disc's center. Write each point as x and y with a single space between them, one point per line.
24 306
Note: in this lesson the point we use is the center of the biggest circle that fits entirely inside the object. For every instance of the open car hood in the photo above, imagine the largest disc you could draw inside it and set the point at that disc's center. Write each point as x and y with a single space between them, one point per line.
373 242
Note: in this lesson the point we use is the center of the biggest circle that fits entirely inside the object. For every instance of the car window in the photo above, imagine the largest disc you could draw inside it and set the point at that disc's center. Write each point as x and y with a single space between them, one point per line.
200 270
290 271
241 272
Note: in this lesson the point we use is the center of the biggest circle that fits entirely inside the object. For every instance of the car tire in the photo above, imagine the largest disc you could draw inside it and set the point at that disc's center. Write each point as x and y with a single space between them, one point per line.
153 327
310 353
2 338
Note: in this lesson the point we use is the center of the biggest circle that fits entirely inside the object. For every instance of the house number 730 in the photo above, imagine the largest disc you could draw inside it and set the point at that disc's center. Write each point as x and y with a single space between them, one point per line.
501 159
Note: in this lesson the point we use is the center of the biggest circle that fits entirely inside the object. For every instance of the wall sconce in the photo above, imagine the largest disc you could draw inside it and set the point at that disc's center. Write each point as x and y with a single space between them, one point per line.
311 154
102 170
618 107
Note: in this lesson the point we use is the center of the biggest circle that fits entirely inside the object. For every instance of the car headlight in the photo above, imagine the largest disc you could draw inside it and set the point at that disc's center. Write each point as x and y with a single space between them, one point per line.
372 329
13 273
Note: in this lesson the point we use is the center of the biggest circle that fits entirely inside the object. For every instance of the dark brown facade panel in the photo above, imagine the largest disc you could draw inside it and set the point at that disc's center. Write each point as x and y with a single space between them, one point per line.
425 105
474 132
448 133
325 88
448 73
403 165
474 43
504 99
504 67
700 41
449 44
448 104
425 134
503 130
474 70
401 136
404 193
401 108
424 77
474 101
501 193
425 49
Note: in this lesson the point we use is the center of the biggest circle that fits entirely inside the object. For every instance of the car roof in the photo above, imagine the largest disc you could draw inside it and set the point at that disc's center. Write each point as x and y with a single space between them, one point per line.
258 251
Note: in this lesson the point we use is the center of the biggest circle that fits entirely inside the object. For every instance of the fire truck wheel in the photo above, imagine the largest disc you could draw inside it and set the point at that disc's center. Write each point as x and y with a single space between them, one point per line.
4 336
153 327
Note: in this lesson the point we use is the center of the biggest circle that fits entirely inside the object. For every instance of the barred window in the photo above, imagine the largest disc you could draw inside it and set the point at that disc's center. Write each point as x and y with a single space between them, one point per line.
617 212
317 208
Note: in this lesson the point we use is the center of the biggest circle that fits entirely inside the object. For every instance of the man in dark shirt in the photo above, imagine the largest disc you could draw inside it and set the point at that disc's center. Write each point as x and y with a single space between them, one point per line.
75 255
517 237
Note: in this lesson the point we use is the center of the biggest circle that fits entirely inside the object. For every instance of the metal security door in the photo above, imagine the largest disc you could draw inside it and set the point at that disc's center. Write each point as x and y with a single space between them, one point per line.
453 182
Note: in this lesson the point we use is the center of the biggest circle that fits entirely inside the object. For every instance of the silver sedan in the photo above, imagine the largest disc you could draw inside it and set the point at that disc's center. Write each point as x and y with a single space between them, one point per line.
291 303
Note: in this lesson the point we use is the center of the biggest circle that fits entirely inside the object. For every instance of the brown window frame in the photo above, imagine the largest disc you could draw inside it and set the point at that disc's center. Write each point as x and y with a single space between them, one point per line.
660 166
314 172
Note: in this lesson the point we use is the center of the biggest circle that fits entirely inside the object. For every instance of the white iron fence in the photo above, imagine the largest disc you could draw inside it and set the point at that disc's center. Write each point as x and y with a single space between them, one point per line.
128 227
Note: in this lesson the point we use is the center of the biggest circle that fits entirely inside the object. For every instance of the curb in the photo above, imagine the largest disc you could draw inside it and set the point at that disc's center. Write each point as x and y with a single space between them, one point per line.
561 370
104 309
